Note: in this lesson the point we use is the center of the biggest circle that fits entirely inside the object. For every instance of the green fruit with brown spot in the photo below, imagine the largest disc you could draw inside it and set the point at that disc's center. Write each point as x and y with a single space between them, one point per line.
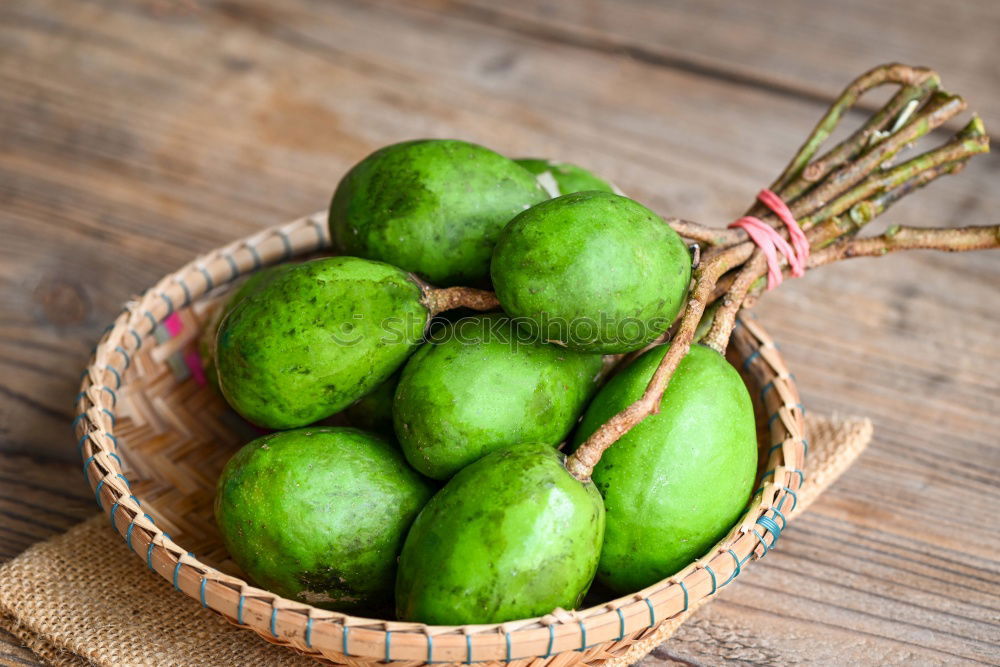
511 536
477 387
206 342
595 271
318 337
676 483
319 515
433 206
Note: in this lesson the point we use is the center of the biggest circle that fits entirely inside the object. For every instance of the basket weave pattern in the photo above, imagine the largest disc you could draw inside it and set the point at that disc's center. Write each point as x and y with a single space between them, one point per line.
154 441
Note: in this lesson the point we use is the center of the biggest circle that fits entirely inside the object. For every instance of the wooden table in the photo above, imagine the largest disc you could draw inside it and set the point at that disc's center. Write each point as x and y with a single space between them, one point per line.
137 134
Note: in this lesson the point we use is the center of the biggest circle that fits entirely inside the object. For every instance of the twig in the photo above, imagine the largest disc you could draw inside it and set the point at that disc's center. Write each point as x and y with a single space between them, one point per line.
952 239
832 198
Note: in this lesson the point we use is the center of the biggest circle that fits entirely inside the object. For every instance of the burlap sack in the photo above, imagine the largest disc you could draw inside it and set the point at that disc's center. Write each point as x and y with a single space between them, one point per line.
82 598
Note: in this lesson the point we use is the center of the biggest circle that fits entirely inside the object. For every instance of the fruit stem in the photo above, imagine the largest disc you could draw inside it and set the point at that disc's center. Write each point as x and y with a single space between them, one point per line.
437 300
833 198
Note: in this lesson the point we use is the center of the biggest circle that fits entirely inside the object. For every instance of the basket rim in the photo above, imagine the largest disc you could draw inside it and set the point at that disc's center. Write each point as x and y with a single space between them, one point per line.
320 632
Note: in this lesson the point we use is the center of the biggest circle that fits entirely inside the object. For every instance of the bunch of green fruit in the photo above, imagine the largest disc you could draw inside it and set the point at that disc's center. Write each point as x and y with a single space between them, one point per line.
447 496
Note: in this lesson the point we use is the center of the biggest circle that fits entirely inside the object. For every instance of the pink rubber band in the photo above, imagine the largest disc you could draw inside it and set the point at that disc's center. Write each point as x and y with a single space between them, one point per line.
771 242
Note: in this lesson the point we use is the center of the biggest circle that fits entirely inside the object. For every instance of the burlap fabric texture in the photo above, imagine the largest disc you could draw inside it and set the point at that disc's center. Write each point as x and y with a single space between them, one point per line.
82 598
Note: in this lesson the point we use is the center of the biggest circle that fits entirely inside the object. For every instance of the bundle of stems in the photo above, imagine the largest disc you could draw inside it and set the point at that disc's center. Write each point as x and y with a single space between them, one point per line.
832 197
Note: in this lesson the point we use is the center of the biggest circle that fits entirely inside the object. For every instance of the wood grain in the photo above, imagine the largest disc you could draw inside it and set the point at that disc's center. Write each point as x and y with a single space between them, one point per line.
139 134
38 499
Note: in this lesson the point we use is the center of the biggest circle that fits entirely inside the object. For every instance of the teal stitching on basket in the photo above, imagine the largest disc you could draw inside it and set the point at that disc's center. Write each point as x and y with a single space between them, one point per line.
288 245
652 612
149 551
97 493
736 570
715 585
138 339
233 266
766 388
388 644
170 303
79 444
274 619
131 525
552 640
762 542
187 292
468 650
239 609
113 508
784 521
177 569
209 283
309 632
795 499
152 320
256 257
344 633
621 624
430 649
777 413
111 415
118 377
583 636
685 589
121 350
114 397
86 464
125 479
753 355
772 526
76 420
201 590
507 638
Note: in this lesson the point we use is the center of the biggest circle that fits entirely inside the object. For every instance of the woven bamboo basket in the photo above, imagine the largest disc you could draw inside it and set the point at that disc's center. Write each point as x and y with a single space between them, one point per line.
154 439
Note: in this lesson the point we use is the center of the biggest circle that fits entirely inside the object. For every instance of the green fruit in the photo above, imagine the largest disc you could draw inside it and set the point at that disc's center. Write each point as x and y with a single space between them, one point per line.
373 411
319 515
206 342
318 337
675 484
481 388
434 207
568 177
596 271
511 536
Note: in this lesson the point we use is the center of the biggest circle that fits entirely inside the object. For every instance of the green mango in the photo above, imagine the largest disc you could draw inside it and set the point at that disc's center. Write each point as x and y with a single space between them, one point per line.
373 411
675 484
318 337
433 206
206 341
568 177
595 271
480 388
511 536
319 515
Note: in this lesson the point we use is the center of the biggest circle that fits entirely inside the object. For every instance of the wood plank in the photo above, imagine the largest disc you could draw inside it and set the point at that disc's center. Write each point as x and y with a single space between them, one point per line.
135 138
39 498
805 49
13 654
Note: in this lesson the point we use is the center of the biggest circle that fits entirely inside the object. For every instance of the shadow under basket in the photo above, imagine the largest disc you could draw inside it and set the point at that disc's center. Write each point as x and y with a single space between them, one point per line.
154 439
